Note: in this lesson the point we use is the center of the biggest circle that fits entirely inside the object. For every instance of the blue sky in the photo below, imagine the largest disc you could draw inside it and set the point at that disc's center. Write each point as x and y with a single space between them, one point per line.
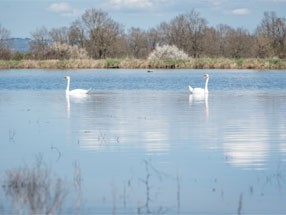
21 17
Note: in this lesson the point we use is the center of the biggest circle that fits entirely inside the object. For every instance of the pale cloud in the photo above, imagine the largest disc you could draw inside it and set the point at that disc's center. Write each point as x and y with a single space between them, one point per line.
136 4
64 9
240 11
216 3
60 7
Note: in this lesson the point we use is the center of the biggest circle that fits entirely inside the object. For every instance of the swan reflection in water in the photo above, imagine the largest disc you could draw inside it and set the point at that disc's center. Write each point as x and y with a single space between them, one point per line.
200 99
75 98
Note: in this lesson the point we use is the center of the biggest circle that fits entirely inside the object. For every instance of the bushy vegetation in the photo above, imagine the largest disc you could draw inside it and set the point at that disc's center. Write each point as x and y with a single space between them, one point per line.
167 52
63 51
95 35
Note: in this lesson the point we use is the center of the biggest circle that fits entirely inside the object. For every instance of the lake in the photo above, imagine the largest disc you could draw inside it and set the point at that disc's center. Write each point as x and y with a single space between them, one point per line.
140 143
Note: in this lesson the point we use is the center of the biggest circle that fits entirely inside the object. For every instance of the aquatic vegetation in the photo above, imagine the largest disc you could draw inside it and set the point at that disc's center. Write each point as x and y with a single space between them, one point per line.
34 190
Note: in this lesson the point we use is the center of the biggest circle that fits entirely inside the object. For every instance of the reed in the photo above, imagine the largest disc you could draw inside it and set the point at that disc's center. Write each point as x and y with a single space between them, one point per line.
131 63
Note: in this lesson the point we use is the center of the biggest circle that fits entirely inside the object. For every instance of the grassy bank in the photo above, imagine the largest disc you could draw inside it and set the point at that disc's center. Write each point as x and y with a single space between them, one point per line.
199 63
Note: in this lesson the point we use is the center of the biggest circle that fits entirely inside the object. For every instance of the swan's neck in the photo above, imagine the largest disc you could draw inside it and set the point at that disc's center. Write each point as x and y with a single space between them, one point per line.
68 86
206 86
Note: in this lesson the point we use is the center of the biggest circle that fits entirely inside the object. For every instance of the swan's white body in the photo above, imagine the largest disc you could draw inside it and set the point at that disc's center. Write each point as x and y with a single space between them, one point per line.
75 92
200 91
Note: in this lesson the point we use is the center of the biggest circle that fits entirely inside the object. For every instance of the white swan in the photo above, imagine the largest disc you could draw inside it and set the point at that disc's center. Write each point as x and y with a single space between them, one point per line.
75 92
200 91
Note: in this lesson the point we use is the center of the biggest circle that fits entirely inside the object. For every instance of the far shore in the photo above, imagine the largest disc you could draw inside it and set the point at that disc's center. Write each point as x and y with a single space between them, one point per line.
195 63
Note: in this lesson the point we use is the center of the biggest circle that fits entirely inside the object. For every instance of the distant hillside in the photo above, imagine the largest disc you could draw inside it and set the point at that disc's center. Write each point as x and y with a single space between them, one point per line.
19 44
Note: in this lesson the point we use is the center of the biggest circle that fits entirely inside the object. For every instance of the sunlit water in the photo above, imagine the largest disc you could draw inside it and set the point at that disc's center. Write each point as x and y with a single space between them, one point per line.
143 144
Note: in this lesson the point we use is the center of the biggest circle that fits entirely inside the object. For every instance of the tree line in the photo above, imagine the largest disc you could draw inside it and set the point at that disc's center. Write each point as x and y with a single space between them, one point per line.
96 35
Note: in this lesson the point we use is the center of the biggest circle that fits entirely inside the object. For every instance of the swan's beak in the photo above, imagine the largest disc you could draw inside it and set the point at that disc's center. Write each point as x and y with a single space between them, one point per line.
65 78
206 76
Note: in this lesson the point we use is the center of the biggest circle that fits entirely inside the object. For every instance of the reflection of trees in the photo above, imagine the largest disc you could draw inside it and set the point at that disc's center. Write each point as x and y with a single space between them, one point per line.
137 119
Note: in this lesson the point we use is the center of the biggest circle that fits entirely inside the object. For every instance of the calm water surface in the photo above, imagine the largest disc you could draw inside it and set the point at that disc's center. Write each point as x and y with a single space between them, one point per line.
144 145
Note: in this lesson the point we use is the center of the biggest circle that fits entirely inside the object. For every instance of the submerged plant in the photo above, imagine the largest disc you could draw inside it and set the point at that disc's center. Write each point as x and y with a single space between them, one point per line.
33 190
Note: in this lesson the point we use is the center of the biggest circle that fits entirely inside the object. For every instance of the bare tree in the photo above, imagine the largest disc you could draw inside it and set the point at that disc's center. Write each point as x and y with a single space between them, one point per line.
263 47
222 31
60 35
4 46
154 38
186 31
119 48
225 41
165 34
137 43
100 33
239 43
211 43
76 34
39 45
272 33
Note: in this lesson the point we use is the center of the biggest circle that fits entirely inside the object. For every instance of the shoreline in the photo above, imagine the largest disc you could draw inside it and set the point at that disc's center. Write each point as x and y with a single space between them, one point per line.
196 63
